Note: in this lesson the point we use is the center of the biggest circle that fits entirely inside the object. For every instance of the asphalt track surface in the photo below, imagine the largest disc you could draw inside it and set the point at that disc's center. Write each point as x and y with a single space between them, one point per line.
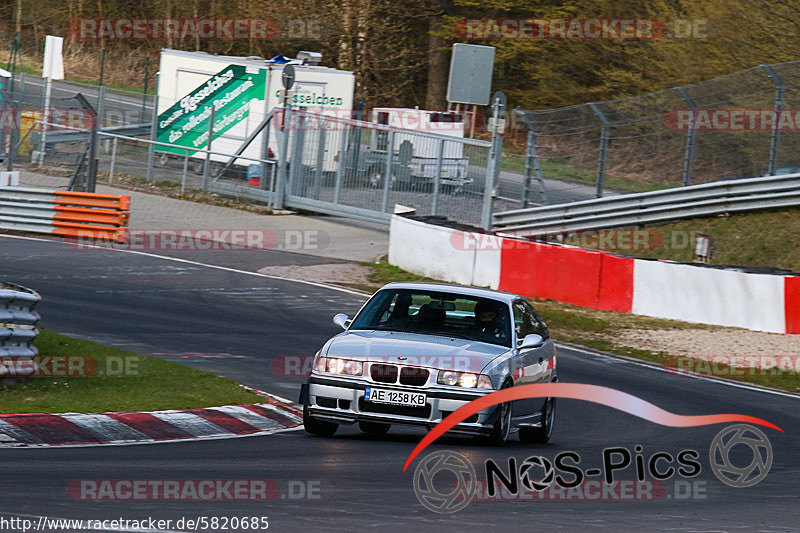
234 324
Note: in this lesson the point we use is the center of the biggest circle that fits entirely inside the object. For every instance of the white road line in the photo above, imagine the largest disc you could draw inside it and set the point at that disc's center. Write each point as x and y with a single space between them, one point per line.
197 263
672 371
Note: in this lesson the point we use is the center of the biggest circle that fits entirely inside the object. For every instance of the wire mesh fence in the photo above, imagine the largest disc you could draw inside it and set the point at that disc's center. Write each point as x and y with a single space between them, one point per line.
369 166
333 164
737 126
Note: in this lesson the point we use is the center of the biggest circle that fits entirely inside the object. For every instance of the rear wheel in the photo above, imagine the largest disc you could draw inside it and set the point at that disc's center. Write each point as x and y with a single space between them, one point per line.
541 434
374 428
318 427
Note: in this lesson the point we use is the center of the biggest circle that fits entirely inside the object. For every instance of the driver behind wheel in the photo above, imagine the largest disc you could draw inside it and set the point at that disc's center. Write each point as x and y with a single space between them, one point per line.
488 320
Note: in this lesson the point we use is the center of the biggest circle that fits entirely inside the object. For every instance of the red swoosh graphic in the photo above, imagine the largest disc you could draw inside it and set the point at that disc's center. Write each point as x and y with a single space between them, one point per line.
579 391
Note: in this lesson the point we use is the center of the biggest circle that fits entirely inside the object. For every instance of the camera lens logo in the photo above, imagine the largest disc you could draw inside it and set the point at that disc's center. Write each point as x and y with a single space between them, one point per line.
544 464
453 463
719 455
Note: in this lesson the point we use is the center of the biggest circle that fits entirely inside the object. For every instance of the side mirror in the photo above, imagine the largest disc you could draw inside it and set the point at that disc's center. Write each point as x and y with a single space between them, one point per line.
534 340
342 320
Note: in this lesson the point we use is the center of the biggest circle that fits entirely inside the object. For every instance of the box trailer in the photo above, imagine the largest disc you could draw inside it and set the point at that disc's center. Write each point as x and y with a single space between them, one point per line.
243 91
422 150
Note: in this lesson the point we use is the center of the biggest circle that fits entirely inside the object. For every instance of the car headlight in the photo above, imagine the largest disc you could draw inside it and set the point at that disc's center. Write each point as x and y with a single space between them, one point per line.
336 365
467 380
447 377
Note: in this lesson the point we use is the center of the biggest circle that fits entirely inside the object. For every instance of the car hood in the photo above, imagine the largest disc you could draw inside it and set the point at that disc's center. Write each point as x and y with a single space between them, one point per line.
434 351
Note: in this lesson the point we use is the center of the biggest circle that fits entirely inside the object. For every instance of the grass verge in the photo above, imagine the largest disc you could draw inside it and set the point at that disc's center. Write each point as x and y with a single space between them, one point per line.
145 384
758 239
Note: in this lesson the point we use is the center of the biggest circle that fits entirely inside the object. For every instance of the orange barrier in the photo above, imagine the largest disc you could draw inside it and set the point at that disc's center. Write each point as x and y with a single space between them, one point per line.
65 213
90 199
84 214
89 215
91 233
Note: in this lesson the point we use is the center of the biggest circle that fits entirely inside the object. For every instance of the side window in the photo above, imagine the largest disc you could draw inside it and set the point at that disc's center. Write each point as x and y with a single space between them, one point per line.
522 321
536 322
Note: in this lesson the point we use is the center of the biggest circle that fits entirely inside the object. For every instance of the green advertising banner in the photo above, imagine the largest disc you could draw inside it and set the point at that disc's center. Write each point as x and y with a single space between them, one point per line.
229 92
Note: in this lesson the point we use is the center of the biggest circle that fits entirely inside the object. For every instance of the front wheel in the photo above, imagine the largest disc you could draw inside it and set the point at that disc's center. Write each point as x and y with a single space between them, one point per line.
318 427
541 434
502 426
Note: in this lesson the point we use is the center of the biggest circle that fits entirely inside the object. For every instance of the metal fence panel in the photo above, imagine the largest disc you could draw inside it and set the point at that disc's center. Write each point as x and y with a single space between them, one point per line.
646 143
356 166
335 165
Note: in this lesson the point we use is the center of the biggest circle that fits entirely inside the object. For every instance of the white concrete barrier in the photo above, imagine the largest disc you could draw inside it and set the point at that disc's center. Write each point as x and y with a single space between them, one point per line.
709 295
442 253
663 289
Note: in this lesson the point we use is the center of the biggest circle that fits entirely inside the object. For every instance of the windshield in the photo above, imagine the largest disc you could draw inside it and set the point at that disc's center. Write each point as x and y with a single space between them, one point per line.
437 313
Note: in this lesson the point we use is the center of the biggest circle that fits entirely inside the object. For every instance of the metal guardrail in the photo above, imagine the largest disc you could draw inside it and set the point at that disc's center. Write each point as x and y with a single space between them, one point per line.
62 134
18 321
656 206
64 213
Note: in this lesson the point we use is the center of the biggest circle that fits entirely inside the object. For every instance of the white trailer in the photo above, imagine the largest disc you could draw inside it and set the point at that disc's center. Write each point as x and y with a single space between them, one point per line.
425 149
319 89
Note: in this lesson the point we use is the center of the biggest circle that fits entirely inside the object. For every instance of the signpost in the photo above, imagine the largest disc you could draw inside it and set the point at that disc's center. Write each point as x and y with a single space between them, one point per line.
497 126
470 77
52 69
287 79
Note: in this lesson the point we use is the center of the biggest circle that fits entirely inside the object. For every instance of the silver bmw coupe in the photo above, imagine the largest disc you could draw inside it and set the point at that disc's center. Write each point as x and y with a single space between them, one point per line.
416 352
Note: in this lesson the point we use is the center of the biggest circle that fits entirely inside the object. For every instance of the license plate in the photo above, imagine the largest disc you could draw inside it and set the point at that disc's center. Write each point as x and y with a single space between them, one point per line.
410 399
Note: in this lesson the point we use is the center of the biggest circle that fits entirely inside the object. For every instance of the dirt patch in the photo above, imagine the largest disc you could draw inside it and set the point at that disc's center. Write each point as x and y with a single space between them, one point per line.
709 342
345 274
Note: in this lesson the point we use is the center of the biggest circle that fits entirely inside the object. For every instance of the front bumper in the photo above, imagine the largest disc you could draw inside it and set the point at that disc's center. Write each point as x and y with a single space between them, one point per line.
342 401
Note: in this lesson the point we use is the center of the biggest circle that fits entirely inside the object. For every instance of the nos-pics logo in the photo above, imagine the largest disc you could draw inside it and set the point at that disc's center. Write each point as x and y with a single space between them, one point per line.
457 480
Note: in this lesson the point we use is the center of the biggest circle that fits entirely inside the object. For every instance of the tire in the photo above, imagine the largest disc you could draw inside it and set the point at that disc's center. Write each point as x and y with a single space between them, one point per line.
374 428
318 427
542 434
502 426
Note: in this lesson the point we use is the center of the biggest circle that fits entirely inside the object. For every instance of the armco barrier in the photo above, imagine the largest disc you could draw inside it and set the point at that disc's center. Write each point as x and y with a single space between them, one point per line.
64 213
728 196
18 321
598 280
